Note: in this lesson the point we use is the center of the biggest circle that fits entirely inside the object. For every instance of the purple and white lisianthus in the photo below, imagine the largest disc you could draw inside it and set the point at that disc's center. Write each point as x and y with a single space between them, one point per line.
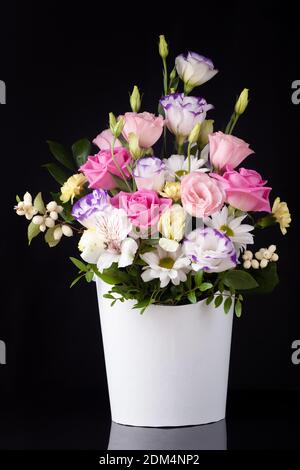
149 173
85 209
210 250
194 69
183 112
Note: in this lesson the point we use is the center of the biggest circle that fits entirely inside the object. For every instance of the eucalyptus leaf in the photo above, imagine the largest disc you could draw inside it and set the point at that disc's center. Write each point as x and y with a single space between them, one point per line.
61 154
81 150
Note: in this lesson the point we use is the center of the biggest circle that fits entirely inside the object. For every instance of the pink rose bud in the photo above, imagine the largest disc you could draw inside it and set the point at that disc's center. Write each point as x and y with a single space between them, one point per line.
227 150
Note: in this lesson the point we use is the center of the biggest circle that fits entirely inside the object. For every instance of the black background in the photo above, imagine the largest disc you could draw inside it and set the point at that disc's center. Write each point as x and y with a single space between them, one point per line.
66 66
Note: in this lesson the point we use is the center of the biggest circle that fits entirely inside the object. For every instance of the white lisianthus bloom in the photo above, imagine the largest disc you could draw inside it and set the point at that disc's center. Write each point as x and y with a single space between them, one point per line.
165 266
149 173
210 250
177 166
232 227
194 69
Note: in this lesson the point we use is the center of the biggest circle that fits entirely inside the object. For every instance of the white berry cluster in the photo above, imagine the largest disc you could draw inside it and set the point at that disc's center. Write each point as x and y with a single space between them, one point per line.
26 207
262 258
48 220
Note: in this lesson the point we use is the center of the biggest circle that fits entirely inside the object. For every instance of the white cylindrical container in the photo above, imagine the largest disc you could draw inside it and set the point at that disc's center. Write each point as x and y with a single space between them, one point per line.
167 367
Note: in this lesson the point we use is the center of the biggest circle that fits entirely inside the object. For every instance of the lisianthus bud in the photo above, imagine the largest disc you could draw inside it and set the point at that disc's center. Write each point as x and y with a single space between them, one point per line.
242 102
112 121
207 127
134 147
163 47
194 135
135 100
172 223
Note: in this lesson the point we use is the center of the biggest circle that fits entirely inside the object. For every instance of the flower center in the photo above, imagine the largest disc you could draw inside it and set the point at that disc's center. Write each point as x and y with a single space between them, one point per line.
181 173
227 230
167 263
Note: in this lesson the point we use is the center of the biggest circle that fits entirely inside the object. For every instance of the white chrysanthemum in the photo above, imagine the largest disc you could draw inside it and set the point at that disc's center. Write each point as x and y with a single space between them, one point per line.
232 227
210 250
108 242
177 166
166 266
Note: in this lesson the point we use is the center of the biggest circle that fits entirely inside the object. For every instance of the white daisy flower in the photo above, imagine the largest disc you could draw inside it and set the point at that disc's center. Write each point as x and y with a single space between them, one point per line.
232 227
166 266
177 166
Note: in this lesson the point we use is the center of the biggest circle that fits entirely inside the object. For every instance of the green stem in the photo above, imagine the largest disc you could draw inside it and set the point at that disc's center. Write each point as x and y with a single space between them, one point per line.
189 157
231 125
117 164
165 77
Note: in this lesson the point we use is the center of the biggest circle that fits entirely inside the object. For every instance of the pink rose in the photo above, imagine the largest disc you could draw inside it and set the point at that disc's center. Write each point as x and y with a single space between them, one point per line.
227 150
245 190
104 140
143 207
98 168
147 127
201 195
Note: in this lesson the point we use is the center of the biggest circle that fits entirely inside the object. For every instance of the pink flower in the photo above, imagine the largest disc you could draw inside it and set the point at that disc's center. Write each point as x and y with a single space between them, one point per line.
99 167
104 140
201 195
245 190
227 150
143 207
147 127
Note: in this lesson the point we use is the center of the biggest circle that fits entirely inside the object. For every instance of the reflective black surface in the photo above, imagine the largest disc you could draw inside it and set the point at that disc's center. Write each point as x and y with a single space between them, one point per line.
80 421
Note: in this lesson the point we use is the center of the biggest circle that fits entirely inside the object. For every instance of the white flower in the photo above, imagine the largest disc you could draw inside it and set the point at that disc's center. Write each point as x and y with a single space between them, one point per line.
25 207
91 245
166 266
149 173
108 242
232 227
210 250
194 69
177 166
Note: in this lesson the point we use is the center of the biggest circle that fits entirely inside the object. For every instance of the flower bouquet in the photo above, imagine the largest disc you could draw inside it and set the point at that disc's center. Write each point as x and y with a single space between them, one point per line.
164 219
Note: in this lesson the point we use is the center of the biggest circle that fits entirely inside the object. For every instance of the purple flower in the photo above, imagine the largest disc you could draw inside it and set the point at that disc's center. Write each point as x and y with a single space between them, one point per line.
210 250
194 70
183 112
149 173
84 209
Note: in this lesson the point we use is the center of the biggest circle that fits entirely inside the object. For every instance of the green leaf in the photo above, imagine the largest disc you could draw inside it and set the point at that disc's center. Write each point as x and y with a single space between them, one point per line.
238 308
267 279
192 297
49 238
218 300
108 278
61 154
57 172
221 287
76 280
108 296
238 279
120 183
39 204
81 150
209 299
32 231
18 199
227 304
79 264
89 276
205 286
198 278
